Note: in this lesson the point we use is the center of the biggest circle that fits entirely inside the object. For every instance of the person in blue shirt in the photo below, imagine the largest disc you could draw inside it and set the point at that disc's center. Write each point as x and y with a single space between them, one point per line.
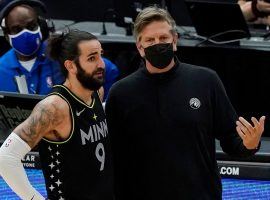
25 68
43 74
111 76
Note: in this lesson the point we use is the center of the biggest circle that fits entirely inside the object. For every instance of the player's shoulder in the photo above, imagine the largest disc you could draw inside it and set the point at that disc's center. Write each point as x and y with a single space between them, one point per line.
53 104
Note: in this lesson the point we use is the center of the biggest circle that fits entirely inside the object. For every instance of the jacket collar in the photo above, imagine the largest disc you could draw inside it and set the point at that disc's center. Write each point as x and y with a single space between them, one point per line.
165 75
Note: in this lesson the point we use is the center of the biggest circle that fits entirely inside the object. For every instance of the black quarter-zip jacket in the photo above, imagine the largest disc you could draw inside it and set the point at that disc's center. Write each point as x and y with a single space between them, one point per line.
163 129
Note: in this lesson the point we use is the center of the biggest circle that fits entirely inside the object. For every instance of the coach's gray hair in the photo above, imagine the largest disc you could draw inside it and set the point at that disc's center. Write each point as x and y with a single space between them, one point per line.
150 14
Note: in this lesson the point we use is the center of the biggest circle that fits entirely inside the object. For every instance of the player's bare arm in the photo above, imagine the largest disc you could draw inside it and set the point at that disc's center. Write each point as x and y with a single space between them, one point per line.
48 116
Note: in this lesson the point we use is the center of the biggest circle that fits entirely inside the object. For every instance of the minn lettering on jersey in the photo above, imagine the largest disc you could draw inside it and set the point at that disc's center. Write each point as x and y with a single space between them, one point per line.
95 132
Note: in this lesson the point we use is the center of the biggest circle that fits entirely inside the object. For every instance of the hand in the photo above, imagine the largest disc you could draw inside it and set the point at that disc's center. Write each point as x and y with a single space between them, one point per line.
250 14
263 6
264 20
250 134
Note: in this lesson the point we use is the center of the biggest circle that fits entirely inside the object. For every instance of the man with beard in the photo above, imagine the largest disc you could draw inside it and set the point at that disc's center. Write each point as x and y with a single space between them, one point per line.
70 127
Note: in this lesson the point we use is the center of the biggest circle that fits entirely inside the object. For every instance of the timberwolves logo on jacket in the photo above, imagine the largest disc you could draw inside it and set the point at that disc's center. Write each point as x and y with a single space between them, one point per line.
194 103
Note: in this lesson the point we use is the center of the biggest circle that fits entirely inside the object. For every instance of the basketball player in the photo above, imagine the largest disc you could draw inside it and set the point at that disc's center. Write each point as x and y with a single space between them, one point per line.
70 127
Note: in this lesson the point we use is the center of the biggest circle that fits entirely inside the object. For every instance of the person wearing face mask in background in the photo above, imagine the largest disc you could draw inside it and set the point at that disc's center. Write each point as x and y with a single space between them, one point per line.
164 119
25 68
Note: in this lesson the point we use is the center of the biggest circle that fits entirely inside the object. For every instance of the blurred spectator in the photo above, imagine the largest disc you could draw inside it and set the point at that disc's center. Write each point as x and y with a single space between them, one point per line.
25 68
111 76
256 11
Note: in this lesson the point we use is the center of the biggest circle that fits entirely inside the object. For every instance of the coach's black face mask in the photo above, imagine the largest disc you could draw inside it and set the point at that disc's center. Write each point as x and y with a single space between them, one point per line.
159 55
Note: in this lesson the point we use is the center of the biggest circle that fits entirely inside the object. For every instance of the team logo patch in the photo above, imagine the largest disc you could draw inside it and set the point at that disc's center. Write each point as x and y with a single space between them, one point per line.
194 103
49 81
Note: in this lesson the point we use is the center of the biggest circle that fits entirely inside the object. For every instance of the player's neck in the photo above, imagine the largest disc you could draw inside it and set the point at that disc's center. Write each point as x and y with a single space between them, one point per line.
84 94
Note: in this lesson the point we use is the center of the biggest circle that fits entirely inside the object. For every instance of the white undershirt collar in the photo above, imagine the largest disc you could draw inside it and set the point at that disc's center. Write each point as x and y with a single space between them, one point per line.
28 65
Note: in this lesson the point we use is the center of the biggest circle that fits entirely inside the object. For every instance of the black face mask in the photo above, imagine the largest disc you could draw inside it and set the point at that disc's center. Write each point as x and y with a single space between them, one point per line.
159 55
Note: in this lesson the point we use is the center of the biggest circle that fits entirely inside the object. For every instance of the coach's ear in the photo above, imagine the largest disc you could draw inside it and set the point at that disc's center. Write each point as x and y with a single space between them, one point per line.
140 48
175 41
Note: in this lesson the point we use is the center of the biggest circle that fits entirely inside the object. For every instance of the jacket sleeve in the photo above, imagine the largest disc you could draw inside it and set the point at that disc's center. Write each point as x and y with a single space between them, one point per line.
114 117
225 118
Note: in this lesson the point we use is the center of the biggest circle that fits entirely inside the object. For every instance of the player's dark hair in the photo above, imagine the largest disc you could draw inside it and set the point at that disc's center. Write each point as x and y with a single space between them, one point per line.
65 46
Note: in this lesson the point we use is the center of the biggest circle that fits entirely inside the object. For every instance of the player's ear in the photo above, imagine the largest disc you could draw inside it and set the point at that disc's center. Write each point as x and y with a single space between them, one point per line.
70 66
